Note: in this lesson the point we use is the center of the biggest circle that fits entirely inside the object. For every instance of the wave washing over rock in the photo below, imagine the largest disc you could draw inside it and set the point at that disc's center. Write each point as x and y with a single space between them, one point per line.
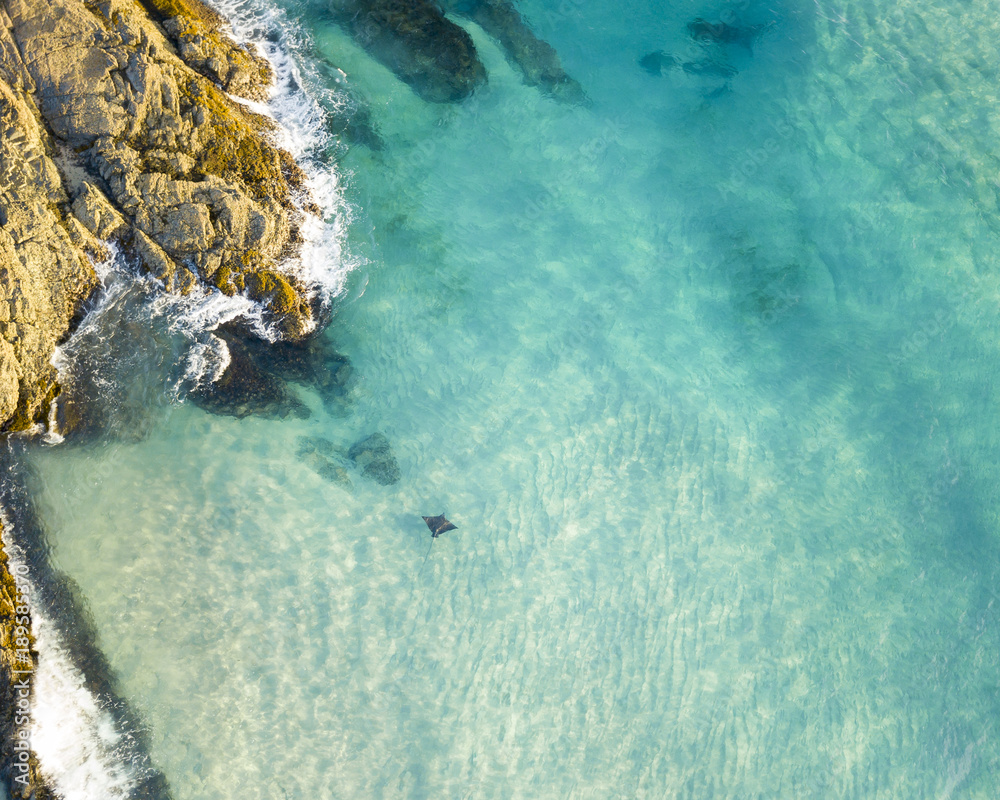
135 136
116 129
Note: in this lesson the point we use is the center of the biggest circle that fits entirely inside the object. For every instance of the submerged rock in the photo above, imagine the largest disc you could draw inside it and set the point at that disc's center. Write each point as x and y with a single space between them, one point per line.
654 63
438 59
714 56
705 32
537 60
324 458
244 389
306 361
375 458
415 40
255 380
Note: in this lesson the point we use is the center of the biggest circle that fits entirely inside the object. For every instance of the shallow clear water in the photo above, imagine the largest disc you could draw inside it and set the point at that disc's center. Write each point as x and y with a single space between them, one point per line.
704 374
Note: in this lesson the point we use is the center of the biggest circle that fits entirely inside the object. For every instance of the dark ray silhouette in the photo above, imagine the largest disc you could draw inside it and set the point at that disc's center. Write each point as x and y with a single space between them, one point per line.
439 525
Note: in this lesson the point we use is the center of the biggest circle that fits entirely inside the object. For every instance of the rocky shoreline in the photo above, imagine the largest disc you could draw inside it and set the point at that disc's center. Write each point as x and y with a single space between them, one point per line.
130 124
117 126
50 593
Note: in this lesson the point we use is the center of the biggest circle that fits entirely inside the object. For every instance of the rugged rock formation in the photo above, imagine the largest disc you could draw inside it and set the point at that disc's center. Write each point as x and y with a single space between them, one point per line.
116 126
199 35
44 272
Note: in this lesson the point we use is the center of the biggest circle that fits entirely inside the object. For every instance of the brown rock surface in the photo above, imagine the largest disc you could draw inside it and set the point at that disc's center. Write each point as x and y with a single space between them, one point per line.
44 274
198 32
115 125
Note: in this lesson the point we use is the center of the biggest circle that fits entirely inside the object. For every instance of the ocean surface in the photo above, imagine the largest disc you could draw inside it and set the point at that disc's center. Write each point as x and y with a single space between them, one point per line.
704 370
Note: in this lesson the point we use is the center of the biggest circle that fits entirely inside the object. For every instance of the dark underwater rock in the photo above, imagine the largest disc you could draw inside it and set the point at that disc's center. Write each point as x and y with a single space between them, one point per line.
244 388
655 62
324 458
714 40
255 382
374 456
306 361
415 40
537 59
722 33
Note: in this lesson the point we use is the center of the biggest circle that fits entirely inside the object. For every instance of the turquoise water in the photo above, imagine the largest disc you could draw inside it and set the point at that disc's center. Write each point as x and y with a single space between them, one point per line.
704 374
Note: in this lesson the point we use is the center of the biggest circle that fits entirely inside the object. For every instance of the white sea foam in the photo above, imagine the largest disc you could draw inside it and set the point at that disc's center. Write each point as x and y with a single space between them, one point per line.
195 317
82 752
78 743
322 263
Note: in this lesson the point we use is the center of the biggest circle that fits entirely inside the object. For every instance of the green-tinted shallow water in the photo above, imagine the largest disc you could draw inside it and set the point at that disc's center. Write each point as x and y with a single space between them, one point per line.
705 376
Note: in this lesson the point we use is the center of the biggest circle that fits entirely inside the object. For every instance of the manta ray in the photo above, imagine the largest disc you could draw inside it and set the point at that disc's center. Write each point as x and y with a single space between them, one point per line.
439 525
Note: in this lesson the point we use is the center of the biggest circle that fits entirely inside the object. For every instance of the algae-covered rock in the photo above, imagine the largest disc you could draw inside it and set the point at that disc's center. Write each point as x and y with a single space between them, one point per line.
157 155
199 34
374 456
115 125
